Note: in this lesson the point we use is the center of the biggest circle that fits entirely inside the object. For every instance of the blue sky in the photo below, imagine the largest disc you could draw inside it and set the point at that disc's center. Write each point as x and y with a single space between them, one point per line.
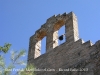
19 19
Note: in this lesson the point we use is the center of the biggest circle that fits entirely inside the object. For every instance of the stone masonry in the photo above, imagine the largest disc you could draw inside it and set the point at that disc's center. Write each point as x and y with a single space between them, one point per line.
73 57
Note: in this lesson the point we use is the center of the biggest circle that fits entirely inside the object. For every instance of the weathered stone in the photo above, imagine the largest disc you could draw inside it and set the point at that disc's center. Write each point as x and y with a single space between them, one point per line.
73 57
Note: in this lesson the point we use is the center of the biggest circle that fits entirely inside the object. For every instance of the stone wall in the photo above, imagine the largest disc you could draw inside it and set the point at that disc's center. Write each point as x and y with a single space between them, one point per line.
74 54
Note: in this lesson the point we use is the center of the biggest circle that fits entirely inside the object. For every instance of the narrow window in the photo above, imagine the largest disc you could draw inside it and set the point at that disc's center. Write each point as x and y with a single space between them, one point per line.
43 45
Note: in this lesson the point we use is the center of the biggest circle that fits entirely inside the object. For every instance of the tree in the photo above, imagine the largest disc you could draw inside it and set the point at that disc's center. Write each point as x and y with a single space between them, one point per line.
15 60
5 48
29 70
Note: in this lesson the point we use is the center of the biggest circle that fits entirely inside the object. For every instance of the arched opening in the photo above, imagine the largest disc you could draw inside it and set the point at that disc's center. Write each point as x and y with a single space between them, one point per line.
40 46
59 30
61 35
43 45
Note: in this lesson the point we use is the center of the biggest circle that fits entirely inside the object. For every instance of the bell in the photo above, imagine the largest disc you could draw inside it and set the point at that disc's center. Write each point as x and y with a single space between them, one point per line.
61 37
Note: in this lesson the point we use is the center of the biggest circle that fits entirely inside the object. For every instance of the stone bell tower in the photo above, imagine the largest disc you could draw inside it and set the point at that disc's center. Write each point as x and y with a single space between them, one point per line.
50 30
73 53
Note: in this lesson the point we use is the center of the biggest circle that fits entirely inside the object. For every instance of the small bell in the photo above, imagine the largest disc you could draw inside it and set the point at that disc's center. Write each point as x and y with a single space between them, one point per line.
61 37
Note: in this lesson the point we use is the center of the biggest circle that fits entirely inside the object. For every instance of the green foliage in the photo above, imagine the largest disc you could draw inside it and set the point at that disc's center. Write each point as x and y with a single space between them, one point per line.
15 60
29 70
16 55
5 48
5 72
2 63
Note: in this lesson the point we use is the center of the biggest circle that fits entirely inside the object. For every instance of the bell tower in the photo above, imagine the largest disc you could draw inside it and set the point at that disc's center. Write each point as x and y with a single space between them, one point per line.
50 30
73 53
